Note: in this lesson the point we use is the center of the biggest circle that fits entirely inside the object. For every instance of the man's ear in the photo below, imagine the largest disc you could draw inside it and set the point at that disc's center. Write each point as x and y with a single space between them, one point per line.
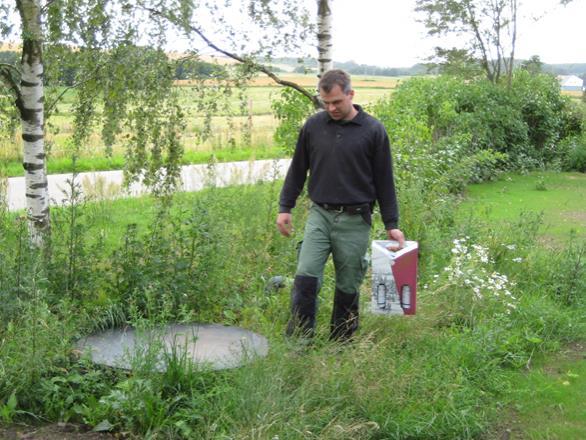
351 94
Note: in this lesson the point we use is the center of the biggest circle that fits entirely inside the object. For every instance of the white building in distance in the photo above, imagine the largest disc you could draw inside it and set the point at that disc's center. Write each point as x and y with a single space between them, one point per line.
571 83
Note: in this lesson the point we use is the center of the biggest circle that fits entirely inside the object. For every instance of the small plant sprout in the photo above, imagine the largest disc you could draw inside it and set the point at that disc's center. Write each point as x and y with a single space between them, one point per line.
540 184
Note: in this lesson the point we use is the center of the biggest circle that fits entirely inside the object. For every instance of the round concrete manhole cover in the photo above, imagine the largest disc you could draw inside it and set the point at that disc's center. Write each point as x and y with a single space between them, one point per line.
208 345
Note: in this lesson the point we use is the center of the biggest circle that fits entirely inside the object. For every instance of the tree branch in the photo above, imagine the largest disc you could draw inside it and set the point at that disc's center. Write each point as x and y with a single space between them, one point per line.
513 42
8 79
497 30
476 30
47 5
247 61
49 107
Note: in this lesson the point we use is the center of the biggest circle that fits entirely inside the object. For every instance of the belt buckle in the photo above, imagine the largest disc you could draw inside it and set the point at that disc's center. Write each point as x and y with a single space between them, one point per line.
338 209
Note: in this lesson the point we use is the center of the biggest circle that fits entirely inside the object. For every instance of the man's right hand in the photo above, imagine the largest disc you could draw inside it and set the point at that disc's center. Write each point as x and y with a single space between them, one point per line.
396 234
285 224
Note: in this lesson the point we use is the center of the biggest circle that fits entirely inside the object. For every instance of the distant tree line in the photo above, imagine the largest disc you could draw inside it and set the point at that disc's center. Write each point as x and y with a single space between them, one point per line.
197 69
309 65
185 68
454 60
8 57
566 69
365 69
189 68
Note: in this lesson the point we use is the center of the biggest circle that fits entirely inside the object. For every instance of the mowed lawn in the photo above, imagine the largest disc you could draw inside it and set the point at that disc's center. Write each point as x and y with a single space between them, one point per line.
559 197
548 399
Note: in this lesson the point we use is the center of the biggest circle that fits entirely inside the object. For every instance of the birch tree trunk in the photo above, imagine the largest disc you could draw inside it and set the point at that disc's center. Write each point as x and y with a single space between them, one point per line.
514 8
31 106
324 37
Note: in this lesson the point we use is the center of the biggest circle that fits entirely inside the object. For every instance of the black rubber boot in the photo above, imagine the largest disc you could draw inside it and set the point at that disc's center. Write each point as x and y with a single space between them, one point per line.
344 316
303 306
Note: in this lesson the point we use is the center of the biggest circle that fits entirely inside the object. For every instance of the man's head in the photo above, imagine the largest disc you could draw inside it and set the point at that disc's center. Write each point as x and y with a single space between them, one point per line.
335 90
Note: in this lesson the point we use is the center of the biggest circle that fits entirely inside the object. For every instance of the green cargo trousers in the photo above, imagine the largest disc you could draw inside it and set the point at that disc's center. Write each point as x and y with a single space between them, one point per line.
346 237
343 235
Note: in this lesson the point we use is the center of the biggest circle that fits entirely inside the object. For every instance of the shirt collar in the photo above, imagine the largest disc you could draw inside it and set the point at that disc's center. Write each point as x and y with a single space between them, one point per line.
358 119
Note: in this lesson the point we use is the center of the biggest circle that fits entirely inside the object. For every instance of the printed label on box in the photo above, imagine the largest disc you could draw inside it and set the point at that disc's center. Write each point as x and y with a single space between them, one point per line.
394 278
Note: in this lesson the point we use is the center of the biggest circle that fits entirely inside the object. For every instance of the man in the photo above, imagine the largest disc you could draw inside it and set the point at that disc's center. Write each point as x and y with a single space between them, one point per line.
347 154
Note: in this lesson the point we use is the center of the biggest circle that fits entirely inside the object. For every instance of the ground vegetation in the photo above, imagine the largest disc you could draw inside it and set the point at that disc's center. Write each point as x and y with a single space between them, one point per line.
492 297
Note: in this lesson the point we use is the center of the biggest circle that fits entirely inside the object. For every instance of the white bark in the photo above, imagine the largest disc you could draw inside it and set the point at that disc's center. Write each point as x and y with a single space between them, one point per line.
324 36
32 109
514 7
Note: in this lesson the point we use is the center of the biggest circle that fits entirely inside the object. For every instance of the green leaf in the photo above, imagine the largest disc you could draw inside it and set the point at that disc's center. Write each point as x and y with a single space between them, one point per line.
104 425
12 402
534 339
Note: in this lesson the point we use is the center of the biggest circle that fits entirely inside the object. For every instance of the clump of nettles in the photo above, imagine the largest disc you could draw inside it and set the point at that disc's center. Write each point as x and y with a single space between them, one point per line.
471 285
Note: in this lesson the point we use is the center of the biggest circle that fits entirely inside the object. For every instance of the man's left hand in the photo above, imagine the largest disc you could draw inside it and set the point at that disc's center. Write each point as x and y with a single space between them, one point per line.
397 235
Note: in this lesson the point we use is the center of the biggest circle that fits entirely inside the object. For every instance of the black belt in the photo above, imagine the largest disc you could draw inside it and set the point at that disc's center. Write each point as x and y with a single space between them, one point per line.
349 209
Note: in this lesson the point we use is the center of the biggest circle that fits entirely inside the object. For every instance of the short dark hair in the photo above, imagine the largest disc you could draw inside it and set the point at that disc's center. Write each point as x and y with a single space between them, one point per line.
335 77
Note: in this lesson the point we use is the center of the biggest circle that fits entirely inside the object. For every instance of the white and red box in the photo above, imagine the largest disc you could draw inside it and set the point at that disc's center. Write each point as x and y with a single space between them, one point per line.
394 278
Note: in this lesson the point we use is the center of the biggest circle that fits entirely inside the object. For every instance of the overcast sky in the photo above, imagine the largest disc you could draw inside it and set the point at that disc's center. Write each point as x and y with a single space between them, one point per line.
386 32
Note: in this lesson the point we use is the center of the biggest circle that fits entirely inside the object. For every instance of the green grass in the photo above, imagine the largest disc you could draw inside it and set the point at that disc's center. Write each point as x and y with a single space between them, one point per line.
560 197
548 401
427 376
553 401
116 162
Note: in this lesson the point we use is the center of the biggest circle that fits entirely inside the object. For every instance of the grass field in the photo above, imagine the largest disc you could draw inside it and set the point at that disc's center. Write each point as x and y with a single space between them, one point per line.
250 110
559 197
547 399
358 81
572 93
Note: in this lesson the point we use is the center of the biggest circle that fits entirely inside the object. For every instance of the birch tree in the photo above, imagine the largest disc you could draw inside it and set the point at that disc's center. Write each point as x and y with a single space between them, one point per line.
28 93
293 108
324 37
487 29
124 82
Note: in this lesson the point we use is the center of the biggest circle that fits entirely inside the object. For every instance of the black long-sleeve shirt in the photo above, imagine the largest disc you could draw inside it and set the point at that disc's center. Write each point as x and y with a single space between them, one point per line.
349 163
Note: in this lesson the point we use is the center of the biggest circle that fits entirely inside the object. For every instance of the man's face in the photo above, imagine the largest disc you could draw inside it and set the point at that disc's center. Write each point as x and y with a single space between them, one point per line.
337 103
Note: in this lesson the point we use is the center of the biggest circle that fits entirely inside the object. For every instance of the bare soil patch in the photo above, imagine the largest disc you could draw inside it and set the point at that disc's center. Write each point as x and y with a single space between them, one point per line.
575 216
575 352
576 177
55 431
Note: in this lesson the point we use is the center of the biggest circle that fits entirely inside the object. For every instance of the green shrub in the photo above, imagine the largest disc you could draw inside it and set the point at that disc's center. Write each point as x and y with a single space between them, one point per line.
291 109
434 123
32 344
574 153
549 116
559 274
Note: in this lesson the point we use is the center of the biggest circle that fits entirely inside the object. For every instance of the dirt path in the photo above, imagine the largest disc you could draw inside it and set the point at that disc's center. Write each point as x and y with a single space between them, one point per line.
108 184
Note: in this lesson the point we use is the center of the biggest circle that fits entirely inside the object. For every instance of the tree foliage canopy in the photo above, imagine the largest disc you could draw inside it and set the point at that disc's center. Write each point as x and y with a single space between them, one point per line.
487 28
115 54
